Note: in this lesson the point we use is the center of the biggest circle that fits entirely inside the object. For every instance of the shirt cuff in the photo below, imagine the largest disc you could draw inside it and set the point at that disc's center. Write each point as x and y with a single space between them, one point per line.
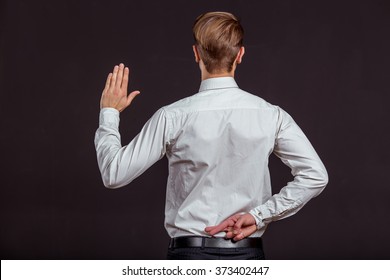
109 117
260 214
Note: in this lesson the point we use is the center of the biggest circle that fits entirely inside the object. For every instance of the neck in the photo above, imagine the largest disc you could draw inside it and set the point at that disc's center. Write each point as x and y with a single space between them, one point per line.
206 75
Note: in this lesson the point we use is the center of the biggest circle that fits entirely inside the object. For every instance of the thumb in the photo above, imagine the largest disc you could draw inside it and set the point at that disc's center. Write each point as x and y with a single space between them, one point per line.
131 96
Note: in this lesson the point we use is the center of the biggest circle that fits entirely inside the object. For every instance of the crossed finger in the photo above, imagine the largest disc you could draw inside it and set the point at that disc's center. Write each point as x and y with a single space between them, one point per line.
223 226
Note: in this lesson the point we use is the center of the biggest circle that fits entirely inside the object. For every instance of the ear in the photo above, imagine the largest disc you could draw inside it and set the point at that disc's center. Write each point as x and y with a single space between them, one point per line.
197 57
240 54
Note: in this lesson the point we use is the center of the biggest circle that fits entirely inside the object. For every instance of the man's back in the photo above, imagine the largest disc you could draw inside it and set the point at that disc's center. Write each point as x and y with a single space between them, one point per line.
219 143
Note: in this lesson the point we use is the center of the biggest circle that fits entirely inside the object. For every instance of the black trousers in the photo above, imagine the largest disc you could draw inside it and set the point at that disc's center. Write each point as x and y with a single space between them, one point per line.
208 253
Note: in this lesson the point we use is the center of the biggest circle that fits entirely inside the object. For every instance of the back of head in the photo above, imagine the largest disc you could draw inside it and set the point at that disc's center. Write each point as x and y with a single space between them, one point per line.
218 38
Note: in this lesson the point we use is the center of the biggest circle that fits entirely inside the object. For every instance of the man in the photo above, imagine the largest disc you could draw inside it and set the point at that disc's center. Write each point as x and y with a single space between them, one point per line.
217 142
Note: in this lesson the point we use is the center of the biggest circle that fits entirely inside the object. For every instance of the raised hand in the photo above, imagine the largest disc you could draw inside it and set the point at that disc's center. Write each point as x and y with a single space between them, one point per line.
115 91
237 227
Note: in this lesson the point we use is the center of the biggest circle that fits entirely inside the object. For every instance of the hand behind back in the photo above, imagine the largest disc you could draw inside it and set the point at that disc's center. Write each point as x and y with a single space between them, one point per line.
237 227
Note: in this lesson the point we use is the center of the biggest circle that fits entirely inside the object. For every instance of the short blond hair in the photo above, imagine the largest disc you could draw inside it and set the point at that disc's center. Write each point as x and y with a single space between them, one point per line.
218 38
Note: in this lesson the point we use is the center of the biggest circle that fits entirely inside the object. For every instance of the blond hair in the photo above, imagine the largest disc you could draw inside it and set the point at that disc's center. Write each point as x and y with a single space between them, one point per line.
218 38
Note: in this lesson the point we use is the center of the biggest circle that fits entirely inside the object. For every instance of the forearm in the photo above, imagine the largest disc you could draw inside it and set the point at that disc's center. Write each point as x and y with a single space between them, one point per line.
121 165
291 198
310 175
108 145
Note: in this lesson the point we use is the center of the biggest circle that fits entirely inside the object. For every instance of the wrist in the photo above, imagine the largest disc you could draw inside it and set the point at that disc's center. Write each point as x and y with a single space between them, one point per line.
258 217
109 116
107 108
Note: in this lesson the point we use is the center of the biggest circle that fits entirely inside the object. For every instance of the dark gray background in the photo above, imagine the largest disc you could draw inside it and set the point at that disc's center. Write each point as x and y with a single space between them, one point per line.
325 62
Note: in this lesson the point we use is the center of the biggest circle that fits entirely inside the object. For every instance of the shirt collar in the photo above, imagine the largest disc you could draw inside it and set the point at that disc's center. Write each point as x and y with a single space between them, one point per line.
218 83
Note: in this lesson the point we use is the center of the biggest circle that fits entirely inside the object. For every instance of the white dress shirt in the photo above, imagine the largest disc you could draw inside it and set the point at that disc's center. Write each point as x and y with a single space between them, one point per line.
217 143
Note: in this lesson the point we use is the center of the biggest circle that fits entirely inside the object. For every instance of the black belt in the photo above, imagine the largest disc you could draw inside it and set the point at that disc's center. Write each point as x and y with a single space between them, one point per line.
214 242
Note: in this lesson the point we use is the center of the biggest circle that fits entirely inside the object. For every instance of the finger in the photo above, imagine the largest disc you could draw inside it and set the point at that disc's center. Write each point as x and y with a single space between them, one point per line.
221 225
229 235
238 224
114 76
119 78
125 80
228 229
244 220
229 222
212 230
245 232
235 217
108 81
218 228
239 236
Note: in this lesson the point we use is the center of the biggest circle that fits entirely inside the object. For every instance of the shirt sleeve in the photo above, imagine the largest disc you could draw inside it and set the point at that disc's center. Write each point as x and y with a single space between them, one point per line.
310 175
121 165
